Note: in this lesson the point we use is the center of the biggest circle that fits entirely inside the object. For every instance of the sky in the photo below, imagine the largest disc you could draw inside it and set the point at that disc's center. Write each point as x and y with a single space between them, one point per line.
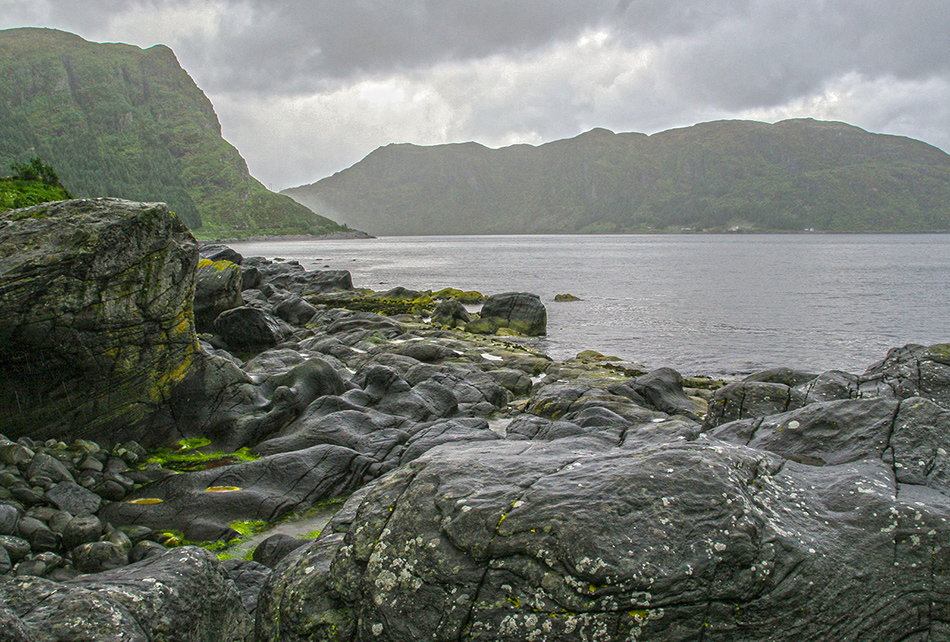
306 88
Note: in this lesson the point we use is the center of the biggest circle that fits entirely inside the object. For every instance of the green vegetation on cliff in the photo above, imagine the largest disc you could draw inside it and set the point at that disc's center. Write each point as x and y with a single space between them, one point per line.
117 120
726 175
31 184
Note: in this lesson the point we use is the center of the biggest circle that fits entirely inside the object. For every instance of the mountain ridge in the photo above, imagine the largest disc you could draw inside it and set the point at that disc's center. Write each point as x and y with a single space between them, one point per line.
797 174
119 120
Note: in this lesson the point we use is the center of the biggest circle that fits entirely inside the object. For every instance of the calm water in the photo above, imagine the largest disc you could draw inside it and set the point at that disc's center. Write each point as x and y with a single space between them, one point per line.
714 304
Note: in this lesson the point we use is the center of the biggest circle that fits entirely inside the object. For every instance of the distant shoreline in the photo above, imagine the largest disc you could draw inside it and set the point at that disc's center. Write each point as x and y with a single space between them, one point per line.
332 236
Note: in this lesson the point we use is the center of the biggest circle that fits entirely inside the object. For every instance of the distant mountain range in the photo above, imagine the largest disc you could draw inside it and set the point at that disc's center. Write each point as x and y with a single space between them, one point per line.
728 175
117 120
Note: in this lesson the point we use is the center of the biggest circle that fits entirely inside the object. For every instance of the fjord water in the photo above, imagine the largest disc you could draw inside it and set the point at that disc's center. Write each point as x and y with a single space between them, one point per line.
702 304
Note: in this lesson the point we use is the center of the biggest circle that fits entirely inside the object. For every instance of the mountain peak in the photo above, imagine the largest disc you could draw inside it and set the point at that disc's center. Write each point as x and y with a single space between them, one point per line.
793 175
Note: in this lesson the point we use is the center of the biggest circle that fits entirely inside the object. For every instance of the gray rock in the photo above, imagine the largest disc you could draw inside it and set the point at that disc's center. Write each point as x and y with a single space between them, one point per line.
520 312
146 549
15 454
276 547
249 577
915 371
246 327
745 399
203 504
670 541
663 390
451 313
183 596
42 465
96 557
16 547
216 252
295 311
81 530
218 285
95 316
9 517
71 497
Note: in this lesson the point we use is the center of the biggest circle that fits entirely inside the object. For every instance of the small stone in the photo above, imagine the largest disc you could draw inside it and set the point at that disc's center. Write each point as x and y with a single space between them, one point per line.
96 557
137 533
15 454
120 539
146 549
39 565
44 540
57 522
88 462
16 547
72 497
82 530
29 525
110 490
9 516
6 564
42 465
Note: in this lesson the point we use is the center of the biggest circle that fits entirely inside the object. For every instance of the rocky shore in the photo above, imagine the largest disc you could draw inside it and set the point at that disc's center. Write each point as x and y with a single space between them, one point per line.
161 403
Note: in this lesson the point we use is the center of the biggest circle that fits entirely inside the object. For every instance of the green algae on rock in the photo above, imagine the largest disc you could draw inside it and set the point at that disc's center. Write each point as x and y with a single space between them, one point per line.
96 324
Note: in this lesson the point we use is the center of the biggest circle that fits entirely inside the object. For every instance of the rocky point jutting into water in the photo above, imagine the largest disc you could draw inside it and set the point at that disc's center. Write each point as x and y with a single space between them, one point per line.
478 489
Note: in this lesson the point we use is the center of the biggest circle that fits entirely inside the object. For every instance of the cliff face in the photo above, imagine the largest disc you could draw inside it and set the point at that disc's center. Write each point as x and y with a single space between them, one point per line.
793 175
117 120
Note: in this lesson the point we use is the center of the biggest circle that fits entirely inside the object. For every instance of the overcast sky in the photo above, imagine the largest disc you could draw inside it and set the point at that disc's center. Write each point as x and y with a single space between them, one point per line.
305 88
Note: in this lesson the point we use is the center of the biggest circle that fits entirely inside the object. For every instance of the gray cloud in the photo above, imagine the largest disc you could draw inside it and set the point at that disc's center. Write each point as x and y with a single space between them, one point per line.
305 88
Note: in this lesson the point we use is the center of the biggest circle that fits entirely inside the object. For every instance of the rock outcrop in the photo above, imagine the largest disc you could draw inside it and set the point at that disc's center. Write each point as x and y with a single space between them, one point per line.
183 595
599 519
96 323
519 313
492 494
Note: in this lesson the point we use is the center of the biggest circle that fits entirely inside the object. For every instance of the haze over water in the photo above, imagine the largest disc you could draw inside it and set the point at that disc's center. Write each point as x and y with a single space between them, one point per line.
702 304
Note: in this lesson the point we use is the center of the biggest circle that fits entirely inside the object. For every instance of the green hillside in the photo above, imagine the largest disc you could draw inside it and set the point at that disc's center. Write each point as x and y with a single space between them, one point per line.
792 175
117 120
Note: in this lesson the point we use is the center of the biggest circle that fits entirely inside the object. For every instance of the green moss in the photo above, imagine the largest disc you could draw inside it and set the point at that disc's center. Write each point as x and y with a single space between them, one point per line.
186 456
250 528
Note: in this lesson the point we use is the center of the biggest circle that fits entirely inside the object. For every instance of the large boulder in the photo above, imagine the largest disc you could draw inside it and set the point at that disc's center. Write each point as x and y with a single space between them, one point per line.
96 322
515 312
183 596
571 540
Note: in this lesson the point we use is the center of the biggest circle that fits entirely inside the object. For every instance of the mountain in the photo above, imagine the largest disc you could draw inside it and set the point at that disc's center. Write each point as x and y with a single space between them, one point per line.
117 120
792 175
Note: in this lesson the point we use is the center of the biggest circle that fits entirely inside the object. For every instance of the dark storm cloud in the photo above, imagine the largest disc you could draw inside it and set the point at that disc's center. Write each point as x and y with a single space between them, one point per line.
305 88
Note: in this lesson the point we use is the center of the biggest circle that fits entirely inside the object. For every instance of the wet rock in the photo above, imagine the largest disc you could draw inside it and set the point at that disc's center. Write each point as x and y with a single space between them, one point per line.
16 547
73 498
451 313
95 316
505 539
518 312
44 466
184 595
217 289
249 577
745 399
295 311
203 504
9 517
276 547
146 549
95 557
216 252
246 327
81 530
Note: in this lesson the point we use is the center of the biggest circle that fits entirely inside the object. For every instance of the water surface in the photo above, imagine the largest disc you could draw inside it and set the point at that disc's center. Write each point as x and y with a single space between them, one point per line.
710 304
